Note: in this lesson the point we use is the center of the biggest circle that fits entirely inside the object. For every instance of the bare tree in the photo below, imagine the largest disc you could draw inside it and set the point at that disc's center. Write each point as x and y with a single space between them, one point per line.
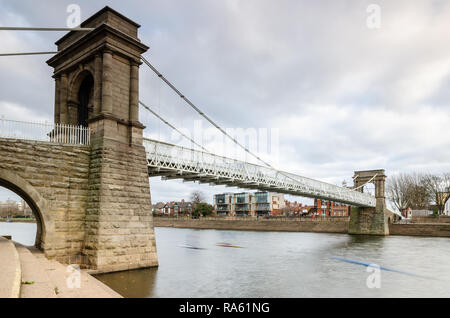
397 191
418 196
197 197
438 187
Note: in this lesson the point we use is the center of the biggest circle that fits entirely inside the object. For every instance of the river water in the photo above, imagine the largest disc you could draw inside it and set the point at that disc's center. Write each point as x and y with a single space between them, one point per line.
281 264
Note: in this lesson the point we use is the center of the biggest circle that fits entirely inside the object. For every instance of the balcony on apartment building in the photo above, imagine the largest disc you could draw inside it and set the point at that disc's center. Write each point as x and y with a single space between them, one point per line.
242 198
262 209
221 198
242 209
223 207
262 197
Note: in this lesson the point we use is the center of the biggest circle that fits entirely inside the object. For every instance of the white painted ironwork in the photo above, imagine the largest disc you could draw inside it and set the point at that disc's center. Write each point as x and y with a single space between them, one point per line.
49 132
175 162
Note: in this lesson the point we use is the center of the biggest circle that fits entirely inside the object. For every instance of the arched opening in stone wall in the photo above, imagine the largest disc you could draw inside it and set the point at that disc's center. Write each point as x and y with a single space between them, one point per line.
85 94
81 98
369 188
29 204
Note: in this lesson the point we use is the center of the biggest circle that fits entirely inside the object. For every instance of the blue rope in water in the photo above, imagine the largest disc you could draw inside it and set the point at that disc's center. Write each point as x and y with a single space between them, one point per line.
378 266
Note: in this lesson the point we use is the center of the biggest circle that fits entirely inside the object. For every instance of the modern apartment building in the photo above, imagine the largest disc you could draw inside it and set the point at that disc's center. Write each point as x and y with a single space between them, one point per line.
223 204
248 204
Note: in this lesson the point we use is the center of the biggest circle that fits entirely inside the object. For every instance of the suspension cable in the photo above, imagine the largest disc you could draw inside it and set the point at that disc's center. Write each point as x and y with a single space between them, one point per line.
364 183
202 113
44 29
173 127
39 29
193 141
210 120
26 53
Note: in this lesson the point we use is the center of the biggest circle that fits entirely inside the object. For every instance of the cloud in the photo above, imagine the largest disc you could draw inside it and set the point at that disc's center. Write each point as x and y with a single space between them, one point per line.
19 112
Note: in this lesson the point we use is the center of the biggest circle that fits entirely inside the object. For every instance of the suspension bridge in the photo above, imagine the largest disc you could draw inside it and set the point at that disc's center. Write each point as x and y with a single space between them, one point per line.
93 163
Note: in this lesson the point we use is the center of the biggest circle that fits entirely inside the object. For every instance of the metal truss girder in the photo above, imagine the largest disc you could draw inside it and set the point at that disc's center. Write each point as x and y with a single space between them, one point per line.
178 162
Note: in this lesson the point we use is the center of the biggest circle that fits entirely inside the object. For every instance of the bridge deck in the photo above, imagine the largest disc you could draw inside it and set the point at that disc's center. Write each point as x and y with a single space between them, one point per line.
175 162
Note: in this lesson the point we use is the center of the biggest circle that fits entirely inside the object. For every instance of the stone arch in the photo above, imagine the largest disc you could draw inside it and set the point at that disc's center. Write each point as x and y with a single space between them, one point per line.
39 206
81 96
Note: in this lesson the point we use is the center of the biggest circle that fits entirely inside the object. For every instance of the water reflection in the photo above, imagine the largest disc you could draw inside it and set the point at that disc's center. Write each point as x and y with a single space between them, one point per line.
280 264
132 284
24 233
277 264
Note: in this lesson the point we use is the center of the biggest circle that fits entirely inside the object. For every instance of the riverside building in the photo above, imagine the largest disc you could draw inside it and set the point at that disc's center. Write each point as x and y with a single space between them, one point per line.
249 204
330 208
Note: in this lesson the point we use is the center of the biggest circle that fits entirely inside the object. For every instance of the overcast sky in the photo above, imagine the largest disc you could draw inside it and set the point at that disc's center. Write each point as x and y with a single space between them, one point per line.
340 96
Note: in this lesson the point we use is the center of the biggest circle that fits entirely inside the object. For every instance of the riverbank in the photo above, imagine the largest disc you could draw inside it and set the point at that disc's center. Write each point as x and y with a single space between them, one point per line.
421 229
20 220
318 225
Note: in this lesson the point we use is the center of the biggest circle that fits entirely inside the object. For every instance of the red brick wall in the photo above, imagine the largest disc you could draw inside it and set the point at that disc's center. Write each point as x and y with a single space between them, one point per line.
332 209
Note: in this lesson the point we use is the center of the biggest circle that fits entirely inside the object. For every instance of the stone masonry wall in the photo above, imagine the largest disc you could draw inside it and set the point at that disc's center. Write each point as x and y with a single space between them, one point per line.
431 219
339 225
59 173
439 230
370 221
121 86
119 222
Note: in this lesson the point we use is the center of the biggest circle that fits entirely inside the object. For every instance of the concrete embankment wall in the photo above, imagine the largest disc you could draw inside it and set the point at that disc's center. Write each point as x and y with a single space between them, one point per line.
431 219
326 226
21 221
413 229
10 274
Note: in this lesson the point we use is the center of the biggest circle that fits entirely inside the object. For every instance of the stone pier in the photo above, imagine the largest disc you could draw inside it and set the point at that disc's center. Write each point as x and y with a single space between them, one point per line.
372 221
92 203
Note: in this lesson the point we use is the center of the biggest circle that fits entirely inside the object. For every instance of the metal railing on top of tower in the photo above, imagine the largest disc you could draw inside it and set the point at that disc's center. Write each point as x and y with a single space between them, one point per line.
47 132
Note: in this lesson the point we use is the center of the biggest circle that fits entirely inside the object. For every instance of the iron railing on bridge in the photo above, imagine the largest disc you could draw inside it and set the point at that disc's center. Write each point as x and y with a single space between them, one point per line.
172 161
49 132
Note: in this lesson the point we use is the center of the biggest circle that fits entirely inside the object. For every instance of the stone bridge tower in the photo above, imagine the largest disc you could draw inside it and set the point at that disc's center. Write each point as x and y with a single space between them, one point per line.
97 85
370 220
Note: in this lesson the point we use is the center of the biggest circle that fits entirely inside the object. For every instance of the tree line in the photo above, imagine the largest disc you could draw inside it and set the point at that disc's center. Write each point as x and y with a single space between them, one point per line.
419 191
201 208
